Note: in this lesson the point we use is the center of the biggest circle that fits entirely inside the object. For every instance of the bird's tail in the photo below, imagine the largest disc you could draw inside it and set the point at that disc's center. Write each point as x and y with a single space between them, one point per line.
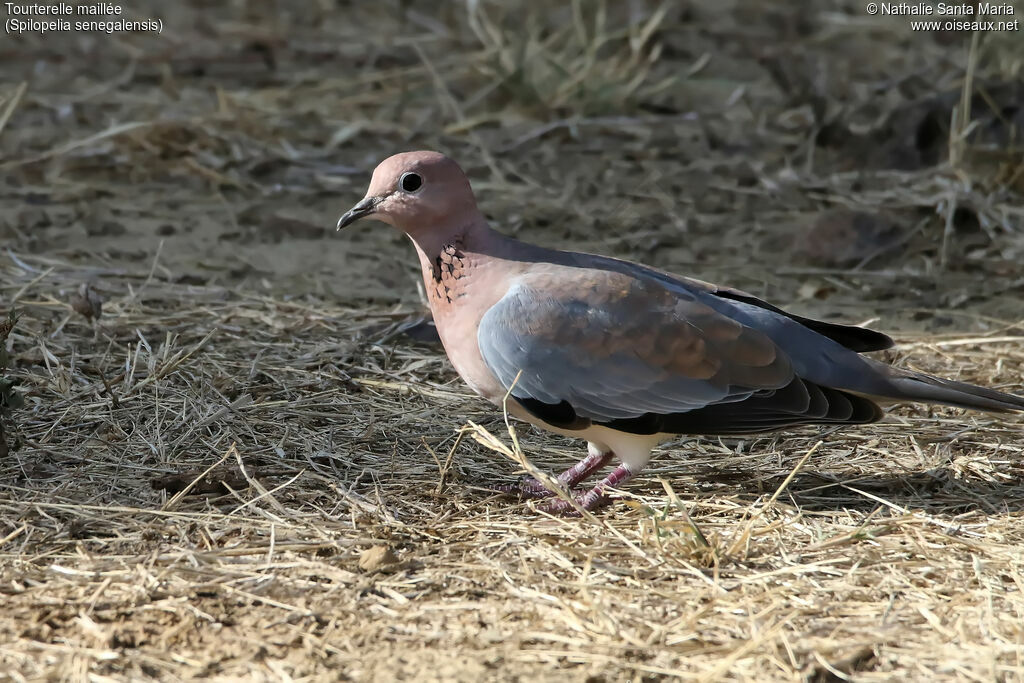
904 385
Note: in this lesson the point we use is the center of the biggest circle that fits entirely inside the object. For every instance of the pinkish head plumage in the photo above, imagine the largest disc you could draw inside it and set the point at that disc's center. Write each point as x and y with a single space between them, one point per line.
416 192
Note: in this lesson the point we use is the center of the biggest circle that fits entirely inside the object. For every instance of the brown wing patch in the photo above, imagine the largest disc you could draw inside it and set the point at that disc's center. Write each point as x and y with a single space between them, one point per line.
611 313
859 339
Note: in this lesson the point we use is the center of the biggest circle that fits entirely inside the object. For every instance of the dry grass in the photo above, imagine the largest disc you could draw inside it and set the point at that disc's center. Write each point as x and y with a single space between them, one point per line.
246 469
894 548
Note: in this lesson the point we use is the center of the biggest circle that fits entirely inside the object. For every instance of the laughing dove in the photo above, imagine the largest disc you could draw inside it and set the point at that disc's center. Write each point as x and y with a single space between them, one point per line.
620 354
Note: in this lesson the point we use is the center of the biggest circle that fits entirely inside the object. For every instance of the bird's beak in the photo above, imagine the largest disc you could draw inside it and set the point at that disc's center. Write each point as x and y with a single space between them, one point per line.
364 208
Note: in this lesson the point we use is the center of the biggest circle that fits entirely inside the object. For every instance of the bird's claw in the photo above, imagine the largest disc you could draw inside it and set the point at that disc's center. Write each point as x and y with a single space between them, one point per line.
529 488
526 488
588 501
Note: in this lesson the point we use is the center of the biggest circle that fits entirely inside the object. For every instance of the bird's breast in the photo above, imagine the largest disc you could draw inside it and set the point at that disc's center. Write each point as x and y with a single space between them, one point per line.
460 289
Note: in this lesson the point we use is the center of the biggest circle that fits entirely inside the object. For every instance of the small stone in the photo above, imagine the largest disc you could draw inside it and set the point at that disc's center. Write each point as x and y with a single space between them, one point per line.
105 229
842 238
87 302
376 557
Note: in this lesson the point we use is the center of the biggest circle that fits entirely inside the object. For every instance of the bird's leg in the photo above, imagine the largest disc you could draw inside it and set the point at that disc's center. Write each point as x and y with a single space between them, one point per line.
593 498
531 488
596 459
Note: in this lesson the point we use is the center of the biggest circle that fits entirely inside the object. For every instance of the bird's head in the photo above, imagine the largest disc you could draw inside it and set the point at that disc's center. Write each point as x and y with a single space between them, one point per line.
418 193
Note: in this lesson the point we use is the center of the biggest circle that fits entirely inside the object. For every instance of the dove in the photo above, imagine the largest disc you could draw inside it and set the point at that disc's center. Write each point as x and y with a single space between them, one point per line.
623 355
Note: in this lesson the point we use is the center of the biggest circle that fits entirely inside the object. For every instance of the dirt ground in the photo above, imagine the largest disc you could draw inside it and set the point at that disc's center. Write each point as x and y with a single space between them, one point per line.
255 464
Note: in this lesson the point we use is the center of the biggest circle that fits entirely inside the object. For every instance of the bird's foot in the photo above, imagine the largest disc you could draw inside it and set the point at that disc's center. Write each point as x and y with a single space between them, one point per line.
530 488
526 488
592 499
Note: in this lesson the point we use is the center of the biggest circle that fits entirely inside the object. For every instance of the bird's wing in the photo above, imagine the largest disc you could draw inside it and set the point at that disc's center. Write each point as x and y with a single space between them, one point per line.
606 346
852 337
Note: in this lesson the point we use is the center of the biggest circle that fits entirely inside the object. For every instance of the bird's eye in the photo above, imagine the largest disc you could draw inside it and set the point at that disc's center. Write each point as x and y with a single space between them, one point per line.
410 182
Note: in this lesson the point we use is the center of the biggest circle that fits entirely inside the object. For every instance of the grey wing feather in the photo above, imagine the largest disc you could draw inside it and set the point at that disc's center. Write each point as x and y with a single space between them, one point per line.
616 347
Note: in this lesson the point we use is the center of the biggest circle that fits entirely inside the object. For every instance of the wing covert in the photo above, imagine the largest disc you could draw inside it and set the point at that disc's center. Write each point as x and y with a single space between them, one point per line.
615 347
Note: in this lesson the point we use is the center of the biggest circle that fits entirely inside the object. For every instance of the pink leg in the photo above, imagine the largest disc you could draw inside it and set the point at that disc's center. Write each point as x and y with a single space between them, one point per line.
593 498
531 488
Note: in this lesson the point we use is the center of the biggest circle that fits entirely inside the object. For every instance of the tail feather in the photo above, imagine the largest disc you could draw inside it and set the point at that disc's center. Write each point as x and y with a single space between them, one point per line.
915 386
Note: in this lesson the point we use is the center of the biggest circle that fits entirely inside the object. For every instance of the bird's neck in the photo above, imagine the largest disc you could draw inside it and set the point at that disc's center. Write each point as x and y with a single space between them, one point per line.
431 243
453 259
